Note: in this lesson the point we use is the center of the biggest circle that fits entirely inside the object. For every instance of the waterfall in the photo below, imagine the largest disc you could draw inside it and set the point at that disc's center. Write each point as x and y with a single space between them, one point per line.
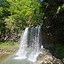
35 34
30 44
23 45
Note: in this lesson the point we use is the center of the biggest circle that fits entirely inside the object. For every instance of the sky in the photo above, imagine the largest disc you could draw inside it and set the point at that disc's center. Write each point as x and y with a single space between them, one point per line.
41 0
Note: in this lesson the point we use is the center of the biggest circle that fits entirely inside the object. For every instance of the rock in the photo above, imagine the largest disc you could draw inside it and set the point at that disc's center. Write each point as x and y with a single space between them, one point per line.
63 60
47 58
58 61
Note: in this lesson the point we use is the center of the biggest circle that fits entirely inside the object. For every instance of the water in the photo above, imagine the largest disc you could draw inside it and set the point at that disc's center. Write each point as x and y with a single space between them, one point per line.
11 60
35 35
29 49
21 54
29 52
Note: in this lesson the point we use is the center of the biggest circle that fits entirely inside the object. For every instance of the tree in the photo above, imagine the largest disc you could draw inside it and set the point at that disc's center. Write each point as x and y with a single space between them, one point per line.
18 14
27 11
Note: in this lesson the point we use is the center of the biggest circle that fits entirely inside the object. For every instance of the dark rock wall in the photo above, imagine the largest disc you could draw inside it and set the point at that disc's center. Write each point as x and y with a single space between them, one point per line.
53 33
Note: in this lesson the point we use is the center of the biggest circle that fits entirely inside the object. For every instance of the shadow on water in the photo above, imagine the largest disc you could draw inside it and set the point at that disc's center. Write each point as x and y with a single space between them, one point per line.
11 60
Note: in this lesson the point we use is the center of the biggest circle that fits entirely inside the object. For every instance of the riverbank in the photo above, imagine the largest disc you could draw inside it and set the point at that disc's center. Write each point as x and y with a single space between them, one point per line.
7 49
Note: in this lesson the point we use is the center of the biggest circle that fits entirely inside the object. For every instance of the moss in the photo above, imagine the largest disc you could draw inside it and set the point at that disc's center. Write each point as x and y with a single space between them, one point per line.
56 50
9 43
59 51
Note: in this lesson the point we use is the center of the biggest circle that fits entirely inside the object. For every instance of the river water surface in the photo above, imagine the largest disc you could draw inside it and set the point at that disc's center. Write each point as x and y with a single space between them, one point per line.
11 60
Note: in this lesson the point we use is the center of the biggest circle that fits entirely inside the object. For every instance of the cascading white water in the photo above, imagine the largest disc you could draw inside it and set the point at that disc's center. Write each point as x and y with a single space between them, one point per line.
34 41
23 45
35 44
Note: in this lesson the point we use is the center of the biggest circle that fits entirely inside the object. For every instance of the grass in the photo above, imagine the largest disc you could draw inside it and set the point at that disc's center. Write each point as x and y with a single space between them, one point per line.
9 43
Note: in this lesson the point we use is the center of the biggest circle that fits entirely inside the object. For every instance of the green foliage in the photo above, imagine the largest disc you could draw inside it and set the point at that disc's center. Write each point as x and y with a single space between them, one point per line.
10 23
26 11
59 53
15 15
9 43
18 14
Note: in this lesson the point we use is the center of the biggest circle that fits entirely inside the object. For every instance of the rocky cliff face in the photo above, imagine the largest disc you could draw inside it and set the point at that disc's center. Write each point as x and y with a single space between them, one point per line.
53 34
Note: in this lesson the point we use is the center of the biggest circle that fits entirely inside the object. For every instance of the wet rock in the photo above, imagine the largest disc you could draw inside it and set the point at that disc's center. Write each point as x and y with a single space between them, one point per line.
47 58
63 60
57 61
